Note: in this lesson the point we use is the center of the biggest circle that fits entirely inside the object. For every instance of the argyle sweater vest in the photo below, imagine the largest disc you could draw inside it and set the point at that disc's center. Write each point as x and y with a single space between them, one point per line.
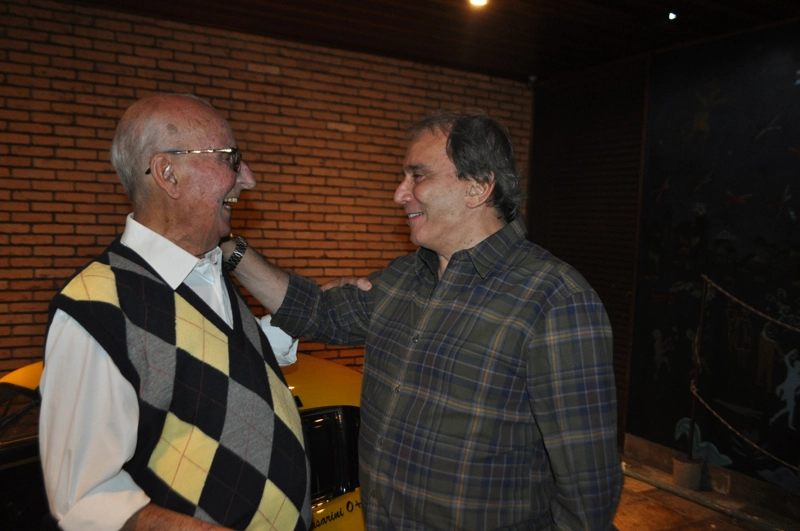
219 435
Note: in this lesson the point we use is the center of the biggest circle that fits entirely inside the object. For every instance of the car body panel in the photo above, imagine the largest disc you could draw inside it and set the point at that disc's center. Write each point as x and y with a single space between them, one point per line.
340 514
27 376
317 382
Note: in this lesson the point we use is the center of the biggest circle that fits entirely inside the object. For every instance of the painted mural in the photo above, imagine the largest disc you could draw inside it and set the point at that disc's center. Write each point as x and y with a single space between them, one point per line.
718 279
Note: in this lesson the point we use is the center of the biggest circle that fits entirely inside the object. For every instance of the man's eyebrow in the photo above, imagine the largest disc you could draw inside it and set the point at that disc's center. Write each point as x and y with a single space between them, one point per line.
414 168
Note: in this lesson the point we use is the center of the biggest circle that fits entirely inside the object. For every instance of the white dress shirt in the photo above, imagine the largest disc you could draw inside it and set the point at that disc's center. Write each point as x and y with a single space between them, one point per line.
90 412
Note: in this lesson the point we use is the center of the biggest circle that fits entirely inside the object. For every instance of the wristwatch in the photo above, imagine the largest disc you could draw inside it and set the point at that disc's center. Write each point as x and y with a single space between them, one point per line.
234 259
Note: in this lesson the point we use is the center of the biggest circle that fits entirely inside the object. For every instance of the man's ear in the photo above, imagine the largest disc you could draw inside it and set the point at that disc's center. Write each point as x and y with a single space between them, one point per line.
163 175
479 192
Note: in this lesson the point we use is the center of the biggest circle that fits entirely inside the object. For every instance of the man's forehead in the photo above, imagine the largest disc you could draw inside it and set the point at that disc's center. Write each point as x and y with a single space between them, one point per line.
429 136
204 131
425 148
428 142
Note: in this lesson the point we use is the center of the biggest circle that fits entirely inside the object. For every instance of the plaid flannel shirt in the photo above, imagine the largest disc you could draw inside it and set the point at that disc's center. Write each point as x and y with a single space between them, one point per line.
488 397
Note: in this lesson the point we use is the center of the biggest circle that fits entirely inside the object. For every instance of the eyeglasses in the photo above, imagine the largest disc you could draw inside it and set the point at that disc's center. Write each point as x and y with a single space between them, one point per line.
236 155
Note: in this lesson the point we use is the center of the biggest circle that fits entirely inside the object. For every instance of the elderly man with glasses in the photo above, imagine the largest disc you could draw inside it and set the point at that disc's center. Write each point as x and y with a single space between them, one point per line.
163 403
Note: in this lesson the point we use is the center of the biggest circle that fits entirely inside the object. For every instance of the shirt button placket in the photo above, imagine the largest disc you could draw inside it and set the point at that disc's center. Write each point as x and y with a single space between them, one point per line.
379 443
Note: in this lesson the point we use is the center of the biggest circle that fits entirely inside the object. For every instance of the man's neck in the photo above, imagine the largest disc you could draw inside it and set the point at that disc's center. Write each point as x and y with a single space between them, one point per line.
474 238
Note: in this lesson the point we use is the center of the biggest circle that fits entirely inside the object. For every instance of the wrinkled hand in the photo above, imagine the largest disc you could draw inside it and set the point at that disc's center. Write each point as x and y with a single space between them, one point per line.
359 282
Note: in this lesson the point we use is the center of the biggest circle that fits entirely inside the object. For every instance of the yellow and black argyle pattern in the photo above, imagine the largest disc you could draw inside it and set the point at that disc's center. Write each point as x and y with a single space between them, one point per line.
219 435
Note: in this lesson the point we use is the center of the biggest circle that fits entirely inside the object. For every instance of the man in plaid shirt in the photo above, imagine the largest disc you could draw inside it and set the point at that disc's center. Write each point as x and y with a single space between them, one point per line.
488 397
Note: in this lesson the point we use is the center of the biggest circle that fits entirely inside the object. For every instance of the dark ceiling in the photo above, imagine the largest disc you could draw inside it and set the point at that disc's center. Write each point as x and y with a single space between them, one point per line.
513 39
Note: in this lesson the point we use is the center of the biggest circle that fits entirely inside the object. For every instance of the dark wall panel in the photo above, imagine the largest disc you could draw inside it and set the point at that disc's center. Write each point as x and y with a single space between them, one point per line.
586 160
719 203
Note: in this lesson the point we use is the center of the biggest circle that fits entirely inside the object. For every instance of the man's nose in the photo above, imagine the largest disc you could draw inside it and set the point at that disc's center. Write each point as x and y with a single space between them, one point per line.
403 191
246 176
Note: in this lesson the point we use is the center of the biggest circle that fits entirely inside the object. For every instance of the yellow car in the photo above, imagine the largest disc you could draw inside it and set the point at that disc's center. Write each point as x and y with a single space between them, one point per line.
23 503
326 393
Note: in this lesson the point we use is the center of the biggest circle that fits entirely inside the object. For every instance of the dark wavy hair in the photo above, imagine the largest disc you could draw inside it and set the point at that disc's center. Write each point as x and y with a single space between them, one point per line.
479 147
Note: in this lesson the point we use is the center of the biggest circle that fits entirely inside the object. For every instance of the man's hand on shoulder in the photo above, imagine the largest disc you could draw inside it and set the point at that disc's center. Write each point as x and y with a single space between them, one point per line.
359 282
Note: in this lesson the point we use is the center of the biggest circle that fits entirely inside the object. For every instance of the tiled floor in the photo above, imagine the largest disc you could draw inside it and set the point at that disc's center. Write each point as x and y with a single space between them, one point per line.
644 507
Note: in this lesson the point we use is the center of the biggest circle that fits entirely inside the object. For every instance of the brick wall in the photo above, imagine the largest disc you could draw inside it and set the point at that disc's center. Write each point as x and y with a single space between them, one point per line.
322 130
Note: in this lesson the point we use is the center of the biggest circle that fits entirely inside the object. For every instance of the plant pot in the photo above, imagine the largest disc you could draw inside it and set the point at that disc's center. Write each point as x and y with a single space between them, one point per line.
686 473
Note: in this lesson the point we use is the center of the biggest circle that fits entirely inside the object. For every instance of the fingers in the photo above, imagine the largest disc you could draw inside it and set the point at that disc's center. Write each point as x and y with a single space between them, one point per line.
359 282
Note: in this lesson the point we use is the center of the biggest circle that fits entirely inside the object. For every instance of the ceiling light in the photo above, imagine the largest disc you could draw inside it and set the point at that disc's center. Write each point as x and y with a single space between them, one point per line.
673 16
478 2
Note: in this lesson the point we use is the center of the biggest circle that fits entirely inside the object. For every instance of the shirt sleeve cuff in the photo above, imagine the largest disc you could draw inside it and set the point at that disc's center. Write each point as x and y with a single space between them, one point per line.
283 345
107 507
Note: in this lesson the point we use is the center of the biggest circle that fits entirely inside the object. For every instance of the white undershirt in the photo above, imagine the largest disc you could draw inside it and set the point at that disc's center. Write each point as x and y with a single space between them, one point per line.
90 413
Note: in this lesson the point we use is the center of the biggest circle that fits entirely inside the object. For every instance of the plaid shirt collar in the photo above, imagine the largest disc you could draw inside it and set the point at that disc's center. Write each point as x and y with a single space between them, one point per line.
484 256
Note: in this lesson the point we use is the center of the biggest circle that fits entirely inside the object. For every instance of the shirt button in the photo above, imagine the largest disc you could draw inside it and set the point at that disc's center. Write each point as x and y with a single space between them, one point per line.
397 389
380 442
416 339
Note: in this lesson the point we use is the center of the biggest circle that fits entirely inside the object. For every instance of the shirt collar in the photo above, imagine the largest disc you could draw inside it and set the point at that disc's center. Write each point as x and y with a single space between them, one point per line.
484 256
172 263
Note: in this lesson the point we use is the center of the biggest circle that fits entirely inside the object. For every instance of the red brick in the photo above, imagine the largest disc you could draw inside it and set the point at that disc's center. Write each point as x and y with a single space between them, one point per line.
327 164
